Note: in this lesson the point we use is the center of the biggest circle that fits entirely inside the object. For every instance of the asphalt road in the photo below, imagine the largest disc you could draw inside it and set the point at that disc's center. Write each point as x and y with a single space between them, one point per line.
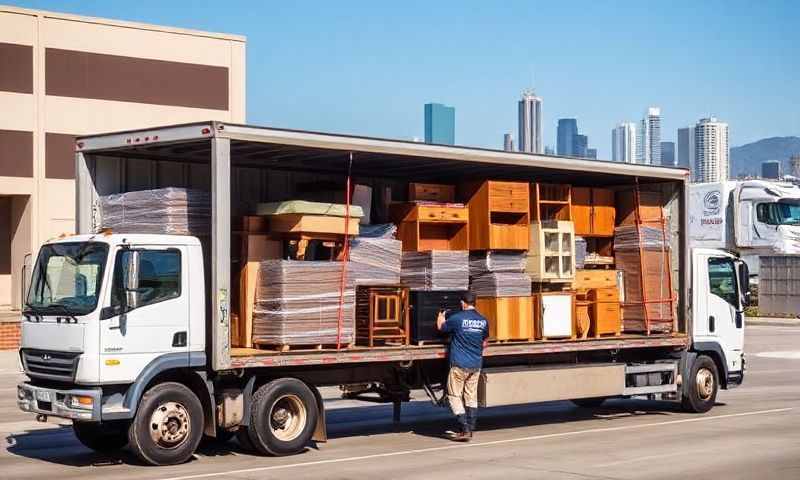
753 432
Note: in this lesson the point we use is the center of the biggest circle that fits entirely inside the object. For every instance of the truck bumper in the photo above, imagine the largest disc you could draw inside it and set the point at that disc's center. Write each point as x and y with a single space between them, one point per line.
76 404
736 378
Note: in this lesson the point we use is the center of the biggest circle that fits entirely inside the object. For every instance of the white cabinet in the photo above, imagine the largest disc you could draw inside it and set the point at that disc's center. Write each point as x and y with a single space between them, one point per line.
551 253
553 312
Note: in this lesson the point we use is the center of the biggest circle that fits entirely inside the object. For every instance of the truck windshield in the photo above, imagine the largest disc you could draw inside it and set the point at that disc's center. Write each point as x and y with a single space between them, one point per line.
781 213
67 278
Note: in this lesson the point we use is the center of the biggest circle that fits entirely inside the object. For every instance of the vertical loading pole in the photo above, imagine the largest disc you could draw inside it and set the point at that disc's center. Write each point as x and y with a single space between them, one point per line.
220 251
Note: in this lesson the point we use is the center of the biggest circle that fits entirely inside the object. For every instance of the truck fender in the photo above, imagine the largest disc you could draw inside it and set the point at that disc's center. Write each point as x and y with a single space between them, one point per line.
714 350
158 366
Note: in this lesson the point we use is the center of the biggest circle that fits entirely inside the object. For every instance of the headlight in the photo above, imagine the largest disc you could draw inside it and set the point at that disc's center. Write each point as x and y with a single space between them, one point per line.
23 394
79 401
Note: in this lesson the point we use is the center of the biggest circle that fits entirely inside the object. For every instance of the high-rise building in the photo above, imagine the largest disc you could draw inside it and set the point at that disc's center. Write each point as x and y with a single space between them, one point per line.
580 146
508 142
548 150
686 148
771 169
530 123
668 154
712 153
623 143
565 139
649 144
591 153
440 124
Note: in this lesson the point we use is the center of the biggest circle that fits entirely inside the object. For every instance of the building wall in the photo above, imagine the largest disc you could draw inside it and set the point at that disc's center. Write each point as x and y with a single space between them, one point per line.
64 75
440 124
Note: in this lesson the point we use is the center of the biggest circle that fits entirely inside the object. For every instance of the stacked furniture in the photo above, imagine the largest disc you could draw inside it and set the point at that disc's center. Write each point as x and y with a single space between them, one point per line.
173 211
499 215
425 307
503 293
642 253
382 316
551 253
435 270
426 226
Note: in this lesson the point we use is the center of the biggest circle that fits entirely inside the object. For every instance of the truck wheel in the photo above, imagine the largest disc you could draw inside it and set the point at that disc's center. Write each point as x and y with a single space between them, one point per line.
588 402
102 437
282 417
700 390
168 425
244 440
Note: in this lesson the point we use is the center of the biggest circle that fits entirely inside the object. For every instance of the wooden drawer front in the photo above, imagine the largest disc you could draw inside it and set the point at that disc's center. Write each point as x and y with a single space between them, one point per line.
604 295
595 279
432 192
508 237
443 214
509 197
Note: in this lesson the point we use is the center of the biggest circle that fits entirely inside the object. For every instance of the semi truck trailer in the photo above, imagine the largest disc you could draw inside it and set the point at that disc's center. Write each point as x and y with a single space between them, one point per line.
159 373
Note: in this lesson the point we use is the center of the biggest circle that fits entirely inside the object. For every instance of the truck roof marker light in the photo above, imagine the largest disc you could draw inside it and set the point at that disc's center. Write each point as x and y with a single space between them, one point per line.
106 231
205 131
113 362
128 141
80 144
155 137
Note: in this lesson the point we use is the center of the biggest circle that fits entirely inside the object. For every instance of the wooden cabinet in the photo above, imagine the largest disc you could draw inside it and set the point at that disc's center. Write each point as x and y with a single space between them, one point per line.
426 227
550 202
593 211
499 215
553 314
433 192
551 252
604 312
382 316
595 278
650 206
510 318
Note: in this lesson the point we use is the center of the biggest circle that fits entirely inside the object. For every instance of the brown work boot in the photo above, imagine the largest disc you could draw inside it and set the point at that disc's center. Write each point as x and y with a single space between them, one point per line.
462 436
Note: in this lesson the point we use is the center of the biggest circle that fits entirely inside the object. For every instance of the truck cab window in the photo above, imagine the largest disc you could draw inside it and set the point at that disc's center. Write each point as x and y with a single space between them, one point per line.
159 276
780 213
722 280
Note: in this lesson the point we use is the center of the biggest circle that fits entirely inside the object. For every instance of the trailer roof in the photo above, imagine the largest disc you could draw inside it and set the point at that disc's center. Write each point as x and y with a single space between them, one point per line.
279 148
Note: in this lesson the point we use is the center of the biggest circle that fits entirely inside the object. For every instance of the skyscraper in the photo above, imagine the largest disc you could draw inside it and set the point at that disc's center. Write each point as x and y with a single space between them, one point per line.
440 124
668 154
566 132
712 153
591 153
530 123
548 150
649 144
686 148
508 142
771 169
580 146
623 143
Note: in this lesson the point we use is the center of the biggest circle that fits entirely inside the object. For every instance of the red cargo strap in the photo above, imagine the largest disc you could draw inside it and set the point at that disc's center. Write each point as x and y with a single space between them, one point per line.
345 255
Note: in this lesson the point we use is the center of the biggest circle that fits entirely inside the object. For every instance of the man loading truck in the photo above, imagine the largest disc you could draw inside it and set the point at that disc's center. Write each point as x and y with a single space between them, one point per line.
469 332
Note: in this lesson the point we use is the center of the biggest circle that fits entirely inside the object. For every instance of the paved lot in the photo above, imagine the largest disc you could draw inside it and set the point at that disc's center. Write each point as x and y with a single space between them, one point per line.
754 432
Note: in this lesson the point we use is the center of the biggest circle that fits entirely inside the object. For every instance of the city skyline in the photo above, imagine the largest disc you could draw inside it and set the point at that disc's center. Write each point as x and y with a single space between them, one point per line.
529 118
457 63
711 151
648 145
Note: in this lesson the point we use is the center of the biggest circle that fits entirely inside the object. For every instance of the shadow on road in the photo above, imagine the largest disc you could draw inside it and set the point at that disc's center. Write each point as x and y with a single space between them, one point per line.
58 445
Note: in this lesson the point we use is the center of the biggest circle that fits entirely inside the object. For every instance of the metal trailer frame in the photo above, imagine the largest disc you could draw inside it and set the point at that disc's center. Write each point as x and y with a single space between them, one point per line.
220 135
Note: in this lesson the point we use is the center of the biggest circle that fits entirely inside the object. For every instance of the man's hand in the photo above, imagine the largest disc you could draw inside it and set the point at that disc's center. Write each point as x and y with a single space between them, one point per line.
486 343
440 319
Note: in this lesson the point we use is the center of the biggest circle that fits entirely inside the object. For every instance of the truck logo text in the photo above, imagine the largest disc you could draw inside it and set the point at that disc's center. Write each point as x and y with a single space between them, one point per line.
711 203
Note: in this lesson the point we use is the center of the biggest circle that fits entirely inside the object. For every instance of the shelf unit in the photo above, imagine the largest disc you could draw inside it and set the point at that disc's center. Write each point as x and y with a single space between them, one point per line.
551 254
499 215
550 202
424 227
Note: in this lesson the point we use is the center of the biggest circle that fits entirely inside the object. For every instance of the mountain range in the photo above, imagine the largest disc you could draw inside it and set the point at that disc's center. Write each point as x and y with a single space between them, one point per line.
746 159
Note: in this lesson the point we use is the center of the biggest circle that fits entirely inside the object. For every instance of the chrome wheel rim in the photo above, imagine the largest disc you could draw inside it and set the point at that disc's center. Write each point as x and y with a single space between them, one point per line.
170 425
705 383
287 418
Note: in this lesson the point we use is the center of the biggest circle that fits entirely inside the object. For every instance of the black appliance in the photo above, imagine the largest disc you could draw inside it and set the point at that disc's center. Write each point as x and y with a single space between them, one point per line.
425 306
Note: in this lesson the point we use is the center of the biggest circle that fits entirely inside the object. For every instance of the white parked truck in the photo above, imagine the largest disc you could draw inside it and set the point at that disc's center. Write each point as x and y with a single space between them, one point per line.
151 365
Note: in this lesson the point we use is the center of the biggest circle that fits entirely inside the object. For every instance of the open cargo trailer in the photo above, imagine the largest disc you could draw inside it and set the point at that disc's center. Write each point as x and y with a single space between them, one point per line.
242 165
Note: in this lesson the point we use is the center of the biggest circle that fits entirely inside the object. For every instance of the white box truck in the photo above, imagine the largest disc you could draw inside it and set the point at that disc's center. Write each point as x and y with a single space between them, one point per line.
158 375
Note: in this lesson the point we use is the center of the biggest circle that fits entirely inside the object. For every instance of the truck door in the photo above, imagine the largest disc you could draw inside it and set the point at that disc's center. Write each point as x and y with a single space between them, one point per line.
156 322
719 315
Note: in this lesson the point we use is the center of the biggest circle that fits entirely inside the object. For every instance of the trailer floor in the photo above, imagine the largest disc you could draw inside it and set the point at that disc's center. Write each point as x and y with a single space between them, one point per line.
251 357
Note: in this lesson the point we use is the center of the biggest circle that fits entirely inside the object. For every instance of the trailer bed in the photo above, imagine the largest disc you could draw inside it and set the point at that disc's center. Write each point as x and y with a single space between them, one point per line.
252 358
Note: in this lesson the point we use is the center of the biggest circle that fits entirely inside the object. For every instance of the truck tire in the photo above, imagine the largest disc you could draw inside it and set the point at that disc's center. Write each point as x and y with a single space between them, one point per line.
243 437
168 425
103 437
283 417
588 402
700 389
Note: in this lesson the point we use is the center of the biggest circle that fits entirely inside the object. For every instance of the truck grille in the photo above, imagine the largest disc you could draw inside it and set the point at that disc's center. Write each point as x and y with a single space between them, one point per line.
50 365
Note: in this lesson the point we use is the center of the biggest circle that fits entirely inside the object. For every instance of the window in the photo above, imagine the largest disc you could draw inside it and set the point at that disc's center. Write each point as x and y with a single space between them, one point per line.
159 276
781 213
722 280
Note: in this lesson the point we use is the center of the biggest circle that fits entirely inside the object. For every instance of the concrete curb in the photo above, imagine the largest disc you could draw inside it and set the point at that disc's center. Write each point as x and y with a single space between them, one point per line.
773 322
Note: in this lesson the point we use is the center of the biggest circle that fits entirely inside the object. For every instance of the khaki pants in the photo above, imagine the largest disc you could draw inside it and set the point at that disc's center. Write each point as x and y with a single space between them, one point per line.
462 389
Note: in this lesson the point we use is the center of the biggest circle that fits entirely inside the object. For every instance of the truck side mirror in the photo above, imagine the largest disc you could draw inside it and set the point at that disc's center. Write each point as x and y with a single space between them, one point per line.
743 272
131 280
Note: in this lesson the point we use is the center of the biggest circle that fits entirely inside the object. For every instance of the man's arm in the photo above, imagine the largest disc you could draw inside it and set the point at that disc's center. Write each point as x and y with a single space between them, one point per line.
441 321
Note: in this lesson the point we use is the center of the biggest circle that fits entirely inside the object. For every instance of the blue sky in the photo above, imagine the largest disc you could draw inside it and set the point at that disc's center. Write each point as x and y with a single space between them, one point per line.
367 67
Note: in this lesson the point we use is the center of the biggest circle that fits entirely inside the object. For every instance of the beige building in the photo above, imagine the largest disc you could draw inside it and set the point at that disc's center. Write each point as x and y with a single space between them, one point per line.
64 75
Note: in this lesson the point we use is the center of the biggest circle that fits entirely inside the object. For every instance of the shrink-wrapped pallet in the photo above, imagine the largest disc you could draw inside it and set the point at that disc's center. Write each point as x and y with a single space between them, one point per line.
375 261
481 263
643 256
435 270
501 284
175 211
298 303
580 252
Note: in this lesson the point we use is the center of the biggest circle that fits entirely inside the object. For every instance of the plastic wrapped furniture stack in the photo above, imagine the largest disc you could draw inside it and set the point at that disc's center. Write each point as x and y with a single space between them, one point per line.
499 274
298 303
375 261
174 211
643 255
435 270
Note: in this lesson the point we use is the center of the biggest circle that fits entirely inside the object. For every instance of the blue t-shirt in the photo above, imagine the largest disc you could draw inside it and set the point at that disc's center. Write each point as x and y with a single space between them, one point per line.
468 329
